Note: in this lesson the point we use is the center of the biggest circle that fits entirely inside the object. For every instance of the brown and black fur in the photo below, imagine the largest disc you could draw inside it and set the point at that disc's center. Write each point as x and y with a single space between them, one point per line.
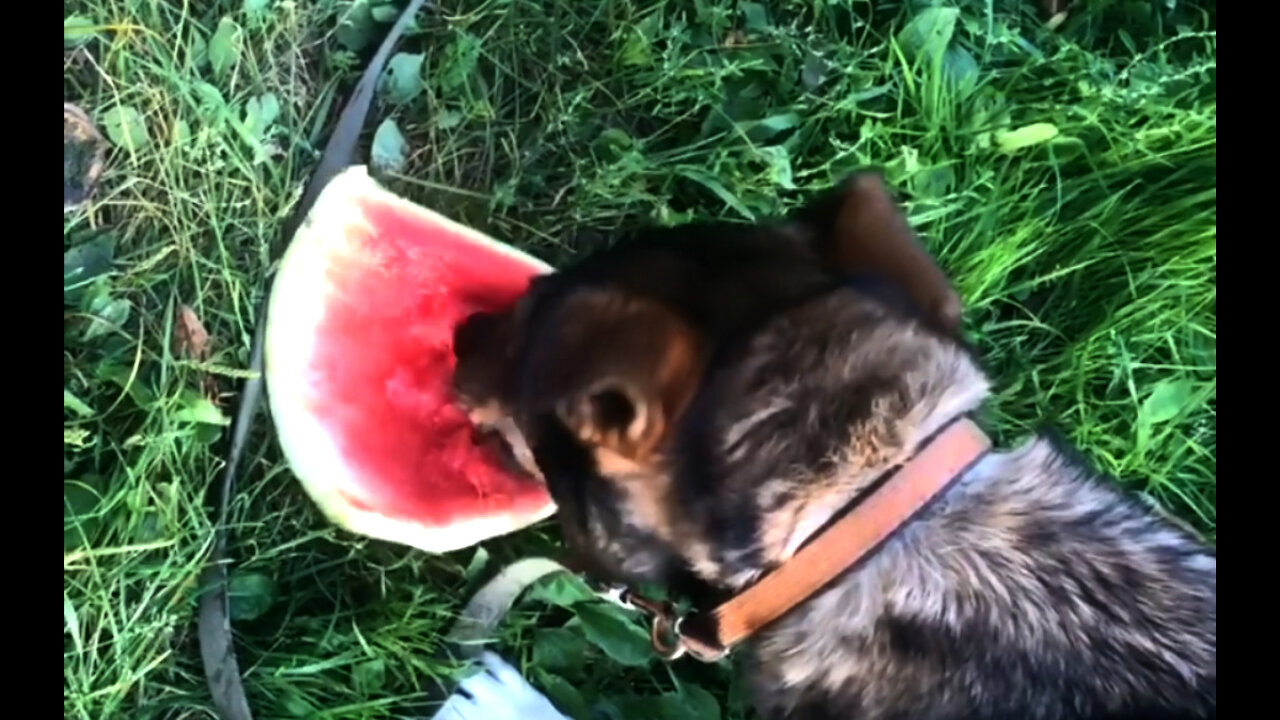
700 400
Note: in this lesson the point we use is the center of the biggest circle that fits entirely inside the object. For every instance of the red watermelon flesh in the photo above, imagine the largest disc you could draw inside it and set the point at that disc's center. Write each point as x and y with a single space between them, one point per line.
359 361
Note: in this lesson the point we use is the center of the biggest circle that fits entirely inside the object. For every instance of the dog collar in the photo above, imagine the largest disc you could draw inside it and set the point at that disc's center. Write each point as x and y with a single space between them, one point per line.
846 542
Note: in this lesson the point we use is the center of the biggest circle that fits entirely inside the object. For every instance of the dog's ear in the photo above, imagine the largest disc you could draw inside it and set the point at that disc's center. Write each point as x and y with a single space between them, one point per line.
619 371
860 229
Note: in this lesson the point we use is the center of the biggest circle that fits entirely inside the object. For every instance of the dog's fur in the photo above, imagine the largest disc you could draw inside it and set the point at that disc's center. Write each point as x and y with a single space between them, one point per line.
701 400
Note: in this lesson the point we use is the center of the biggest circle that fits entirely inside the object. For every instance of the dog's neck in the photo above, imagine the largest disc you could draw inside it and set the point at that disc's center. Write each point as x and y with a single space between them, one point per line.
819 513
938 392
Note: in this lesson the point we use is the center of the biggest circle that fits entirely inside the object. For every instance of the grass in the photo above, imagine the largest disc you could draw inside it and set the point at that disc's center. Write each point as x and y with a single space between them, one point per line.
1088 262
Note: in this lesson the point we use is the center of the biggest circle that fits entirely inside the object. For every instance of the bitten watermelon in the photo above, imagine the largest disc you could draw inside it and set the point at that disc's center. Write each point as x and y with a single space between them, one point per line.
358 362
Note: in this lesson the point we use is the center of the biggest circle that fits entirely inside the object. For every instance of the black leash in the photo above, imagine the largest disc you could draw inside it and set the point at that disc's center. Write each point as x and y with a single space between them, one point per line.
217 646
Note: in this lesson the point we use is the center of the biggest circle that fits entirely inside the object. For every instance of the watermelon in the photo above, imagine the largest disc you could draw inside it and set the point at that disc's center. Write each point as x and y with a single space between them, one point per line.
358 362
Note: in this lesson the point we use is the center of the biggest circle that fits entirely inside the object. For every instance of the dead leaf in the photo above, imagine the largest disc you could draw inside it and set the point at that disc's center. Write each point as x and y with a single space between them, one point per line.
84 152
193 339
77 59
192 342
1056 11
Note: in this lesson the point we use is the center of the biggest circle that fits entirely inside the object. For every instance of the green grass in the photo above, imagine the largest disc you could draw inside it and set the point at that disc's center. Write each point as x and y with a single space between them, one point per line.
1088 264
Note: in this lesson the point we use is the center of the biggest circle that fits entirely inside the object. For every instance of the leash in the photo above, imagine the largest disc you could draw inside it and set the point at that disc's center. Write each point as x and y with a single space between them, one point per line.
217 646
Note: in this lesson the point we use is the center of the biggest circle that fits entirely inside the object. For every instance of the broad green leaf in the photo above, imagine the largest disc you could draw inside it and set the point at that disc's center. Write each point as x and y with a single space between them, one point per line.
401 82
779 165
563 695
459 63
80 522
71 619
108 314
206 434
755 17
181 133
1165 401
80 497
211 104
260 113
607 627
356 29
250 595
148 527
385 13
765 129
87 261
746 102
198 49
560 590
933 182
559 649
123 377
75 437
389 149
929 33
870 93
296 704
1066 148
75 404
689 702
961 68
720 191
198 409
370 676
479 560
77 30
1026 136
224 47
256 7
125 127
637 48
814 72
612 143
448 119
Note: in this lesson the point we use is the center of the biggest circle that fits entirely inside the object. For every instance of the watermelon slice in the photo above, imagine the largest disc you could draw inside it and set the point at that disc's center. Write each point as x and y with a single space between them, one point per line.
358 362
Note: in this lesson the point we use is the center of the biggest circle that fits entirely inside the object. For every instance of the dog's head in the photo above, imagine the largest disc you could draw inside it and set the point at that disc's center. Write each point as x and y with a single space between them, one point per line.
596 368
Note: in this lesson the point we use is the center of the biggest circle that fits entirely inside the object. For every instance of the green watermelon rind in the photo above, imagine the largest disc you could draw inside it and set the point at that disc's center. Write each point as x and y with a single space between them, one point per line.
295 311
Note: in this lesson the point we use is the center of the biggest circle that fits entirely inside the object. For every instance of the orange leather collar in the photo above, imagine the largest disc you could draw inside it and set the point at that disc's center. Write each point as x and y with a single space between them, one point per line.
844 543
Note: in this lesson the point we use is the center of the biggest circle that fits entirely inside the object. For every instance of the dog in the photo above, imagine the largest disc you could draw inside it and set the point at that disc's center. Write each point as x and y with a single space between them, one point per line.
701 400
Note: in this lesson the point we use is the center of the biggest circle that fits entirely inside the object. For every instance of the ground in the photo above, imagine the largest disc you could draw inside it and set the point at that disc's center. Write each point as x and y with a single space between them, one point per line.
1065 176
